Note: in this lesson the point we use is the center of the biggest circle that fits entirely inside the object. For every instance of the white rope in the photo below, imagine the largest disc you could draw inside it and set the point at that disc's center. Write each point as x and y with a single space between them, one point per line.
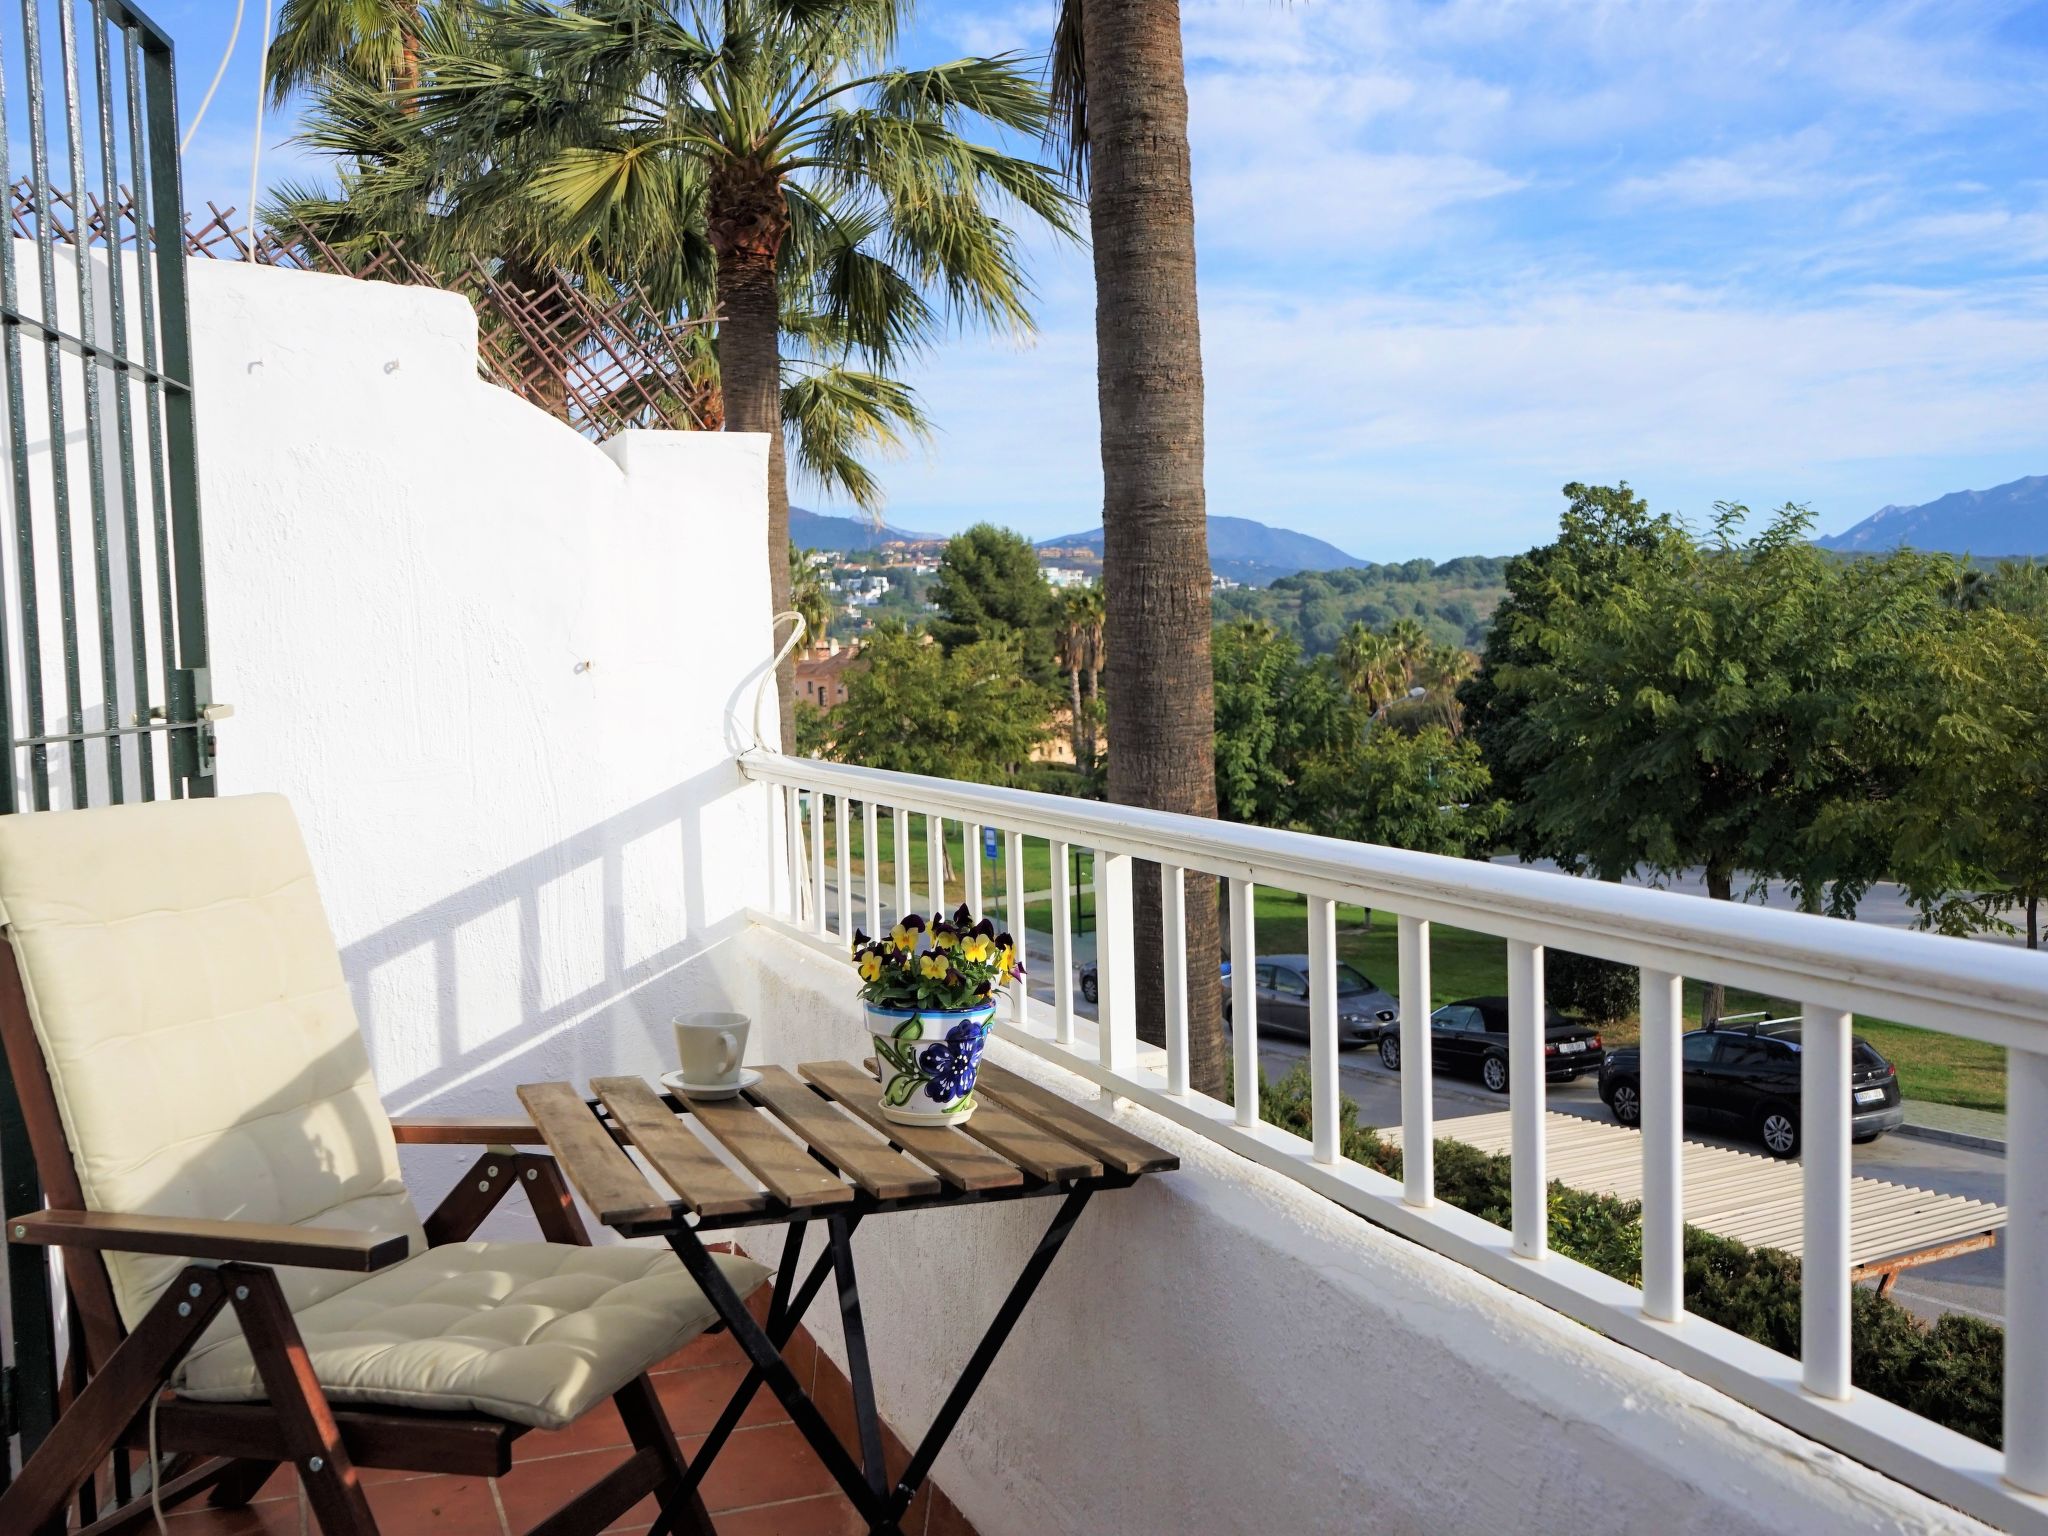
156 1472
207 100
256 147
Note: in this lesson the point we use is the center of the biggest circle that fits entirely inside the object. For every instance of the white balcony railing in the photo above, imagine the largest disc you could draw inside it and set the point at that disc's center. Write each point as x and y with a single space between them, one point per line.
1834 970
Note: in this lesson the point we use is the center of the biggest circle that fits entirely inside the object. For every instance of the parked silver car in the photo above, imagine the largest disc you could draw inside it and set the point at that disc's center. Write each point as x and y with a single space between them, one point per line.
1364 1009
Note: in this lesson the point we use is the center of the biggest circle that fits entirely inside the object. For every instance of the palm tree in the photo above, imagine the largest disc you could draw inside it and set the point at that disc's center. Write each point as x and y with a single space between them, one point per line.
1078 641
777 129
1121 90
373 40
1371 666
810 599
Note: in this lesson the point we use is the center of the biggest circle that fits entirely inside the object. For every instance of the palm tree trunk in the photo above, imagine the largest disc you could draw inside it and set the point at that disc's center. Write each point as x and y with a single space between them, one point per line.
1155 535
746 224
1078 728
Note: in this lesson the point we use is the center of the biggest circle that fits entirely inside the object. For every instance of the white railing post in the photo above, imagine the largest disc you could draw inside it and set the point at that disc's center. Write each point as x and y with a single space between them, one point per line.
793 837
970 866
1116 978
1063 945
2026 1271
1824 1044
818 862
935 863
1173 934
899 819
842 871
1244 1002
1418 1130
871 866
1526 1088
1661 1109
1016 909
1322 1026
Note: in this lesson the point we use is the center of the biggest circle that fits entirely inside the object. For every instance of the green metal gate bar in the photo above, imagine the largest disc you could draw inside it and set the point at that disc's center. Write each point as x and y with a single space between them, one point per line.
114 72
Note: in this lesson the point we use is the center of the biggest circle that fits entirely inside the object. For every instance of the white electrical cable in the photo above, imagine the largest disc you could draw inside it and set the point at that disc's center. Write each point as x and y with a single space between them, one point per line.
256 147
767 677
156 1471
207 100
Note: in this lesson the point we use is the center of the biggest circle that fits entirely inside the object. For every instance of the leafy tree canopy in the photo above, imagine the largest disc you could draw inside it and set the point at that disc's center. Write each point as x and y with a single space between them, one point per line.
915 707
988 587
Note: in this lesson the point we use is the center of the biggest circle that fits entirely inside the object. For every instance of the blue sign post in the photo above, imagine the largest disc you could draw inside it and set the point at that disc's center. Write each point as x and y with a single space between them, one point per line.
988 842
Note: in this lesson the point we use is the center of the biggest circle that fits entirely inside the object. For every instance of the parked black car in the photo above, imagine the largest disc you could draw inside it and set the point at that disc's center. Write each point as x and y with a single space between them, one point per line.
1745 1081
1471 1036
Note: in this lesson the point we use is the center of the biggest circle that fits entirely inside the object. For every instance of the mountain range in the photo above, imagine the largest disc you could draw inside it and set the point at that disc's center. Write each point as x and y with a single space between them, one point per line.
2010 519
1245 551
820 530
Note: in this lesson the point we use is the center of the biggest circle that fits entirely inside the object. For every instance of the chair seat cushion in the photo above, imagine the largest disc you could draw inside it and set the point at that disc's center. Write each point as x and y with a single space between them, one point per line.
535 1333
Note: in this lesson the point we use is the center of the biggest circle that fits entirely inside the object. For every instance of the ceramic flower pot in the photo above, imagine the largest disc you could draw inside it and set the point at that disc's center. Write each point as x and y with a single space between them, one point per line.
928 1060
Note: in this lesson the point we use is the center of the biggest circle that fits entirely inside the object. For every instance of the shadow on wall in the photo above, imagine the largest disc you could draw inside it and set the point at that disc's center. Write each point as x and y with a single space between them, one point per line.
586 1003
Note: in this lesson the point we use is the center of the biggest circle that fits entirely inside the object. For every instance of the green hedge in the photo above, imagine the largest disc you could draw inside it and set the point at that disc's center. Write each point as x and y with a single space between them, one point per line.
1951 1371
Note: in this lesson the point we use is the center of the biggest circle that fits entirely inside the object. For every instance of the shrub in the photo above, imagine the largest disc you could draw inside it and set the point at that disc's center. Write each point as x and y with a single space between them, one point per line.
1951 1372
1599 991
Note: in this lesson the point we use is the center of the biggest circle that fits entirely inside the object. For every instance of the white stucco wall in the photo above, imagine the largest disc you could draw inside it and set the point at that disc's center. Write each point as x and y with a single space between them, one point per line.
492 665
1219 1351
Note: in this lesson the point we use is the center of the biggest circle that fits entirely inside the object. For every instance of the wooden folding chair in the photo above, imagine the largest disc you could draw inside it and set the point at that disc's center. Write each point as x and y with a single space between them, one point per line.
252 1284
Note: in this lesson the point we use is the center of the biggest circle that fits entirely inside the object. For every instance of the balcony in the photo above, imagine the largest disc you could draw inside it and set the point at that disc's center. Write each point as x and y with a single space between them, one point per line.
509 679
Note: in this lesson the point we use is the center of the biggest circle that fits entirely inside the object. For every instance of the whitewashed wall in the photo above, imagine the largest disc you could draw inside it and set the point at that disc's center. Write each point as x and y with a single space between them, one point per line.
492 665
1219 1351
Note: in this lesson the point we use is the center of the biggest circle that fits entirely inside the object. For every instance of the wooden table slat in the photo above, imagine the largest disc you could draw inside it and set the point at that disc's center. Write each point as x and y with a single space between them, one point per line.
1117 1147
601 1173
792 1175
1031 1147
705 1184
841 1139
959 1161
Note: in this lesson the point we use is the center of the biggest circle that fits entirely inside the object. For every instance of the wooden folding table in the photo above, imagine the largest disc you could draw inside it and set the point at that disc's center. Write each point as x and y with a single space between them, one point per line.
814 1146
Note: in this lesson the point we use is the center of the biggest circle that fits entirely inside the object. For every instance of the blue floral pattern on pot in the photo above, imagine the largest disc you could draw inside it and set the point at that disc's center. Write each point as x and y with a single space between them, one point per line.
928 1061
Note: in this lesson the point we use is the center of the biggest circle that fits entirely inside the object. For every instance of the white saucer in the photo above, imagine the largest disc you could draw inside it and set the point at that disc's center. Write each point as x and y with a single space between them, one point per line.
674 1083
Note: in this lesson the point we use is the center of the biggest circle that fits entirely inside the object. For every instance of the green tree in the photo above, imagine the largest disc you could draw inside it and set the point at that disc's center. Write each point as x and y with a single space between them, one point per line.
1077 637
809 596
1429 792
1274 711
989 587
914 707
1119 82
373 40
776 128
1972 826
1678 702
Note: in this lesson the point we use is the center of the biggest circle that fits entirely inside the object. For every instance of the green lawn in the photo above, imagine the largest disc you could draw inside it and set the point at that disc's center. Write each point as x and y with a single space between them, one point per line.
1943 1069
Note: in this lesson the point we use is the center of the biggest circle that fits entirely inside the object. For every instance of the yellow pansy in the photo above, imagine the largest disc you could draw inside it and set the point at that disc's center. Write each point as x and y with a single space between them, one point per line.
870 967
977 948
944 939
1005 958
902 937
933 967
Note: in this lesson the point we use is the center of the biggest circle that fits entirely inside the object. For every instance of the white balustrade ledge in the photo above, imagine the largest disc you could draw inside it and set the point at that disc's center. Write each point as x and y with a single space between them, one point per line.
1834 969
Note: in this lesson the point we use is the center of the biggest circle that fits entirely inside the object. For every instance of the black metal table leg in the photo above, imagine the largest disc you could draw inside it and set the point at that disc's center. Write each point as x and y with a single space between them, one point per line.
985 1352
858 1373
775 1371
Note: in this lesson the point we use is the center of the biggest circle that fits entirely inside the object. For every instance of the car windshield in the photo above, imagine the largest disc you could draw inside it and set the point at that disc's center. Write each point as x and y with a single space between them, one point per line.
1866 1056
1350 981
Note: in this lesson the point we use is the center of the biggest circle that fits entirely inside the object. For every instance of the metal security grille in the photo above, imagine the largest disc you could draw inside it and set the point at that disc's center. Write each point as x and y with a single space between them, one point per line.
105 694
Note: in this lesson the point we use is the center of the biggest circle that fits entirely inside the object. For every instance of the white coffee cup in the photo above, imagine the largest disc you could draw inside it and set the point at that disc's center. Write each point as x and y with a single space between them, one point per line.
711 1047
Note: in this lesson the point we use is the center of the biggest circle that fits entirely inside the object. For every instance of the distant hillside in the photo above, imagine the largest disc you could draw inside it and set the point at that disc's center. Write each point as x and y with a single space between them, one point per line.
1453 599
2005 520
1247 551
816 530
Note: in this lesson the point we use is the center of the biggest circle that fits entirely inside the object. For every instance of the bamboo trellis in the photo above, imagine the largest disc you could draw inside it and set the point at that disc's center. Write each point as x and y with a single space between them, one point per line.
601 362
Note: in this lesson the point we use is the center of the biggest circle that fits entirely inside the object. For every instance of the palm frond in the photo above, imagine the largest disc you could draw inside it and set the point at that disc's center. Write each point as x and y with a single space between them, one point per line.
1068 66
833 413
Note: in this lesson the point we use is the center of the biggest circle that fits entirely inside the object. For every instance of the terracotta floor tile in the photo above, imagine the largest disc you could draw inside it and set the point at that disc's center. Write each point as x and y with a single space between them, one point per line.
830 1515
764 1465
275 1517
445 1506
706 1349
601 1429
693 1400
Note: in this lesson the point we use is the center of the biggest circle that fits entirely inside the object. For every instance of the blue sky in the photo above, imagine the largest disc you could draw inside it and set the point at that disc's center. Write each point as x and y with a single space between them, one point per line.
1455 254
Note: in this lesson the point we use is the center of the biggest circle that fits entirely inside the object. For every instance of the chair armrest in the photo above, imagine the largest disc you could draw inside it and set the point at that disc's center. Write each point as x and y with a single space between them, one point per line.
191 1237
465 1131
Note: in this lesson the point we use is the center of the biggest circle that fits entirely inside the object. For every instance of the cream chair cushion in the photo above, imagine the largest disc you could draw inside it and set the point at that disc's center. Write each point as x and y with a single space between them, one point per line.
185 988
531 1332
